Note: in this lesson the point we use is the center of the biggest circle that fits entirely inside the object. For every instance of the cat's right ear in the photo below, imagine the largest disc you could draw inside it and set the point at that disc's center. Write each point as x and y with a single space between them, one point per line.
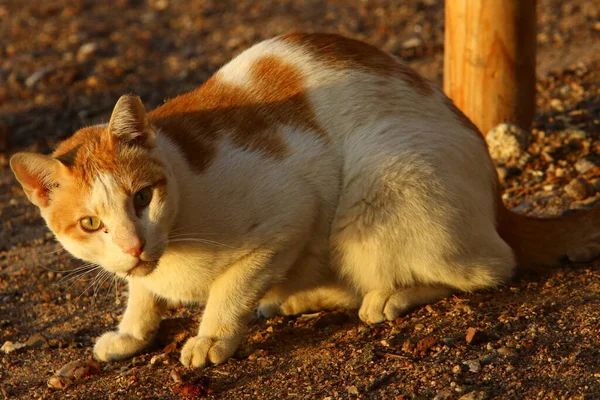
38 174
129 122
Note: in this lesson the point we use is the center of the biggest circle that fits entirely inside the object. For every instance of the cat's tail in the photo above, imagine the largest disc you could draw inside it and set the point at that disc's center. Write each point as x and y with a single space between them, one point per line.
539 242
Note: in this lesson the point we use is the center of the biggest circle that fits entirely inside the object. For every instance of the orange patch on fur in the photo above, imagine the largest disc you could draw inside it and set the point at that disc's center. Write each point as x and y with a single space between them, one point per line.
250 115
342 52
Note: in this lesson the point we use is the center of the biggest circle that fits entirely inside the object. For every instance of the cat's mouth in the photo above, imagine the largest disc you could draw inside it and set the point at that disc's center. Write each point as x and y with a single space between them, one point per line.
142 268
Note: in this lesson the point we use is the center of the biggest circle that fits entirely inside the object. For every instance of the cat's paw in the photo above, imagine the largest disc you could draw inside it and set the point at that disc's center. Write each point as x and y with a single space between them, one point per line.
114 346
199 351
268 310
379 306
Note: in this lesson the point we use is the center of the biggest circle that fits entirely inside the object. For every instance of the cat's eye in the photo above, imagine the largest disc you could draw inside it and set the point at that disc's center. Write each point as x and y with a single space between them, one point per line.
142 198
90 224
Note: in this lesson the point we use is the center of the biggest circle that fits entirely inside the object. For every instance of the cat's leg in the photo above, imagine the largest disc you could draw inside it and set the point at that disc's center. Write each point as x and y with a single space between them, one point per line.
325 297
231 301
321 298
137 328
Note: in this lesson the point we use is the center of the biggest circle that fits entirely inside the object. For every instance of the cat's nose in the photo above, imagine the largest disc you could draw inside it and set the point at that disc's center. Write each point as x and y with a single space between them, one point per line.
135 250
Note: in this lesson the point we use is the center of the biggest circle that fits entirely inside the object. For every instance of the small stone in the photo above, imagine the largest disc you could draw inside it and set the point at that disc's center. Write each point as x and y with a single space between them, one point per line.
175 375
419 327
86 50
475 336
37 76
412 43
557 105
9 347
507 142
474 365
38 340
487 359
443 394
579 188
157 358
457 369
352 390
583 165
506 352
476 395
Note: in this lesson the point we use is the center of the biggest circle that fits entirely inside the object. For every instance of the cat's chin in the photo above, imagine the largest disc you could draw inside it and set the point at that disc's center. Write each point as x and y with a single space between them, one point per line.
142 268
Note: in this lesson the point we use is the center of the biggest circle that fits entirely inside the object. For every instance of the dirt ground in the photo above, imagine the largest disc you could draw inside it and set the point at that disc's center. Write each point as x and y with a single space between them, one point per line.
63 64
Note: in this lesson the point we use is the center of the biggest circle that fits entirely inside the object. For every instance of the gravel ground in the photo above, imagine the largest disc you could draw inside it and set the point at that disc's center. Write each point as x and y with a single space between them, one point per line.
64 63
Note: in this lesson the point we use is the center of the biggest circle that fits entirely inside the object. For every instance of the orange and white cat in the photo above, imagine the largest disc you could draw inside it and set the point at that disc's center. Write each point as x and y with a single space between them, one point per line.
312 171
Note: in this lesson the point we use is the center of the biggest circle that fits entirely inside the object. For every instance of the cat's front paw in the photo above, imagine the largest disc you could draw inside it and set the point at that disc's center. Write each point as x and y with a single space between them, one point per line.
114 346
201 350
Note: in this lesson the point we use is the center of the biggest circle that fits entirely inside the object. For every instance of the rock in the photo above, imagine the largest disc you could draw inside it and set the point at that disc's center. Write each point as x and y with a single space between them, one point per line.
507 142
443 394
424 345
73 372
9 347
506 352
86 50
487 359
475 336
157 358
579 188
457 369
175 375
476 395
352 390
37 76
38 340
583 165
474 365
411 43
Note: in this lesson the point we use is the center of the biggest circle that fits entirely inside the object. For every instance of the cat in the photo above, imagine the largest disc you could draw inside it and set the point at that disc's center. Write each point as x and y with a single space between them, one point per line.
312 171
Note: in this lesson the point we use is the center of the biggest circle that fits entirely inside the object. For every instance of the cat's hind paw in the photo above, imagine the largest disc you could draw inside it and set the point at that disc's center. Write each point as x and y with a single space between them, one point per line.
114 346
268 310
199 351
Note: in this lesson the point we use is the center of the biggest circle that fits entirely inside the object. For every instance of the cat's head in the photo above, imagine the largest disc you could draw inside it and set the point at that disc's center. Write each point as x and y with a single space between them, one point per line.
104 192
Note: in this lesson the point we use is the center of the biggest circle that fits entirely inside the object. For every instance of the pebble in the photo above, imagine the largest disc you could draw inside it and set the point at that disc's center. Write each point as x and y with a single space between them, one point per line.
583 165
476 395
579 188
506 352
175 376
507 142
157 358
475 336
86 50
38 340
353 390
411 43
9 347
443 395
474 365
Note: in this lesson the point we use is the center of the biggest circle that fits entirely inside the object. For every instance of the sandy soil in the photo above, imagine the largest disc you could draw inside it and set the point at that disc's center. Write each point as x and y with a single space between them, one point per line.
64 63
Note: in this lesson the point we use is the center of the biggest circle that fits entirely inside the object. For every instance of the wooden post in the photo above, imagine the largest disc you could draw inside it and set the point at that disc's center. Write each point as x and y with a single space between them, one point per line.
489 60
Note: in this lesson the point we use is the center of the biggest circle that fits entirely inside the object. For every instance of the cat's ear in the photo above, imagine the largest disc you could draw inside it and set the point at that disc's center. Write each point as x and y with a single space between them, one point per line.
129 122
38 174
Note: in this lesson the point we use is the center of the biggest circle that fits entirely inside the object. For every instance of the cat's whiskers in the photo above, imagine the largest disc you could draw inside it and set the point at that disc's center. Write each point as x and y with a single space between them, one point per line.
78 277
77 272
